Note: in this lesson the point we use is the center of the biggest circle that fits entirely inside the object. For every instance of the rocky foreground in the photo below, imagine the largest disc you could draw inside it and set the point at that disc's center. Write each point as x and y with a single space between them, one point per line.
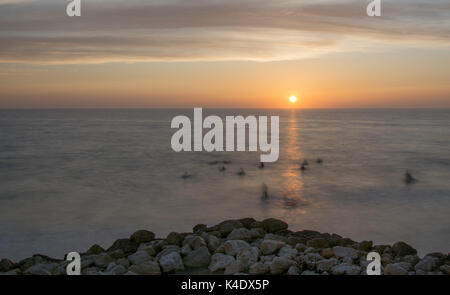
244 246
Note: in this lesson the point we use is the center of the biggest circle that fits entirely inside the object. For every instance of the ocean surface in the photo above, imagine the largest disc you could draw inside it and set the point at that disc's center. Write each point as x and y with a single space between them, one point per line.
72 178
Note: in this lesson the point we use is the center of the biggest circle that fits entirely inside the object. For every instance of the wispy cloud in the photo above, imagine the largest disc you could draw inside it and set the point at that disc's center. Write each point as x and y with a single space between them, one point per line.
182 30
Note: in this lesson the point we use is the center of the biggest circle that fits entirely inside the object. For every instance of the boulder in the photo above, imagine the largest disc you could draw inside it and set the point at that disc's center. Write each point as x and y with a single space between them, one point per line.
240 234
126 245
102 260
220 261
175 239
403 249
365 246
194 242
139 257
95 249
427 264
318 243
171 262
343 252
288 252
228 226
326 265
142 236
293 271
6 265
234 247
198 258
280 265
270 246
248 256
273 225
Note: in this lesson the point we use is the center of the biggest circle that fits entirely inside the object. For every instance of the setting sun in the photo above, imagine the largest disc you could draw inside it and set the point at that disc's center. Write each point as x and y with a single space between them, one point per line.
293 99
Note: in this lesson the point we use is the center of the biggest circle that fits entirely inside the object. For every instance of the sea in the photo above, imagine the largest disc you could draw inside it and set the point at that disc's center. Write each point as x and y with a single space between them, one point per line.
71 178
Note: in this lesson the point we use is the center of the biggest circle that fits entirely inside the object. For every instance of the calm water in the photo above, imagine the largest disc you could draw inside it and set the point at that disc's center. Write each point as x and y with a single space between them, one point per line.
72 178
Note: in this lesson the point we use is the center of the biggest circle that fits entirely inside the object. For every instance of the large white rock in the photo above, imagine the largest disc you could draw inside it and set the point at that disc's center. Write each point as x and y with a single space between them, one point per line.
198 258
240 234
288 252
428 263
42 269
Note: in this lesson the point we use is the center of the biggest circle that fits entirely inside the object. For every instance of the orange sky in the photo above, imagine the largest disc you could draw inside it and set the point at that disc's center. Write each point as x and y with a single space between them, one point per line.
338 58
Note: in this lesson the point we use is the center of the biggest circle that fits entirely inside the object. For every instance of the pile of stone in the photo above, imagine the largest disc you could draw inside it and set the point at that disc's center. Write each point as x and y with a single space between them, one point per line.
243 246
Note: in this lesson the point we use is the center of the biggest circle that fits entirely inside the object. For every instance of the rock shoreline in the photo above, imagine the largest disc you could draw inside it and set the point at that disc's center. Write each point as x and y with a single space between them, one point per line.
243 246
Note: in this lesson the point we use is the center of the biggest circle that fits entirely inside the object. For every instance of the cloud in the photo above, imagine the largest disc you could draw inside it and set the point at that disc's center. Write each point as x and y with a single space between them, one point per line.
182 30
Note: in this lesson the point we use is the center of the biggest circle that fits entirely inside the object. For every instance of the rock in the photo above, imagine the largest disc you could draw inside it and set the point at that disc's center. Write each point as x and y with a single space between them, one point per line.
240 234
199 228
395 269
185 250
233 268
327 253
126 245
95 250
342 252
293 271
168 249
273 225
247 222
270 246
146 268
280 265
275 237
42 269
124 262
318 243
411 259
220 261
300 247
198 258
288 252
248 256
142 236
402 249
258 269
345 269
91 271
117 254
139 257
102 260
117 270
194 242
326 265
365 246
427 264
445 269
213 243
6 265
228 226
234 247
171 262
175 239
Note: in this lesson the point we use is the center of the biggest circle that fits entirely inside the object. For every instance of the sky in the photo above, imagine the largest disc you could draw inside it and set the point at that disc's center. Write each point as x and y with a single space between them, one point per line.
224 53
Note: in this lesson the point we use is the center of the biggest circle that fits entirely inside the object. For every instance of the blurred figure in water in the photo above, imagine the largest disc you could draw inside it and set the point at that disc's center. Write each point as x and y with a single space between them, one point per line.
409 179
265 191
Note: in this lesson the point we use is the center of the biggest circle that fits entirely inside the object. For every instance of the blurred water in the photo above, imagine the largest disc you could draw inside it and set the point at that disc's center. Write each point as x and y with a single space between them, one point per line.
72 178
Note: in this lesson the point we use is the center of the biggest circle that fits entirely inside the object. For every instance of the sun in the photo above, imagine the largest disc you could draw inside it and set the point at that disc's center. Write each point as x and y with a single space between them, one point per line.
293 99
